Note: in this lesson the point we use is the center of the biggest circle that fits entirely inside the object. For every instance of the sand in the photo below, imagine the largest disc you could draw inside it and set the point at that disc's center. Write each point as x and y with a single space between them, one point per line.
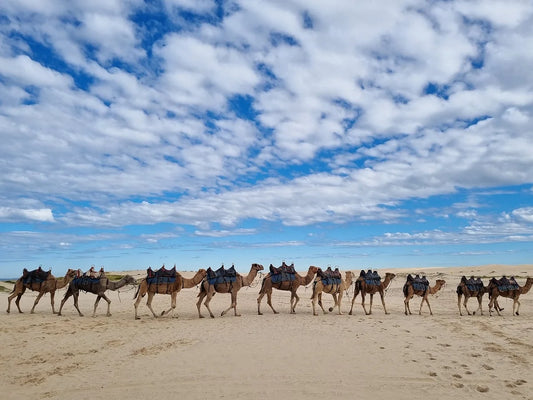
283 356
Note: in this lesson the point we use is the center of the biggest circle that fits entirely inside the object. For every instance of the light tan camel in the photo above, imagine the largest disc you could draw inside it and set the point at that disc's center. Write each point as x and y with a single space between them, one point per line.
362 287
409 291
208 291
494 292
336 290
166 288
50 285
267 285
463 290
97 287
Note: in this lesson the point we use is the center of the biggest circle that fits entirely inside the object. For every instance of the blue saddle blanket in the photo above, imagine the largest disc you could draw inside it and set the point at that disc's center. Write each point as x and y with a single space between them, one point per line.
373 282
420 286
221 275
510 286
157 280
283 277
331 281
474 287
84 280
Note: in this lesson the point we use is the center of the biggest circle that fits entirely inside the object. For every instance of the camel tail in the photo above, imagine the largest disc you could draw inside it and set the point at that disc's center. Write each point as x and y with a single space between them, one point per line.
202 289
137 291
459 290
405 290
314 286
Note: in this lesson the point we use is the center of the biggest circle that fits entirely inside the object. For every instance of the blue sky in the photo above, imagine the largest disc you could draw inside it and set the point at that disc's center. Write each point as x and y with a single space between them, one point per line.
195 132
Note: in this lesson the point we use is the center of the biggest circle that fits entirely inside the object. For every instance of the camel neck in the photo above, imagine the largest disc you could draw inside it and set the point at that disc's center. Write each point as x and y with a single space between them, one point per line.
192 282
248 279
306 280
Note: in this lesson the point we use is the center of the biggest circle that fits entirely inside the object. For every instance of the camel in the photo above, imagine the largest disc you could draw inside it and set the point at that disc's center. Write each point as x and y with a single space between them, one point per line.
362 287
166 288
409 291
51 284
336 290
463 290
267 285
208 291
96 286
494 292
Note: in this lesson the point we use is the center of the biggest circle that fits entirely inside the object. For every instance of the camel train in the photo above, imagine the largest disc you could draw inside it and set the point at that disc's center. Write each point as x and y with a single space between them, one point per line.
285 278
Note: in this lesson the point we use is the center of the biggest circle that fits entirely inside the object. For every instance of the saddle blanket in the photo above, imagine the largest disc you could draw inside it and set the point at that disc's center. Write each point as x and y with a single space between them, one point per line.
35 276
474 287
510 286
331 281
157 280
283 277
373 282
221 275
420 286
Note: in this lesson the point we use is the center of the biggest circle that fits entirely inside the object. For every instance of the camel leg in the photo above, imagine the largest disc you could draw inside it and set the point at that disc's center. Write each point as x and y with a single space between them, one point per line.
259 298
406 305
466 308
199 304
206 304
313 302
18 295
363 303
233 305
459 304
427 302
41 294
108 314
296 300
338 302
76 295
65 298
479 306
96 304
149 303
320 303
269 301
371 302
173 296
421 303
355 293
517 308
52 302
382 295
137 302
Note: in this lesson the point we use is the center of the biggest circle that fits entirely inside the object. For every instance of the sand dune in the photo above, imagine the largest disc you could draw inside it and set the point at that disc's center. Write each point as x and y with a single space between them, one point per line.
281 356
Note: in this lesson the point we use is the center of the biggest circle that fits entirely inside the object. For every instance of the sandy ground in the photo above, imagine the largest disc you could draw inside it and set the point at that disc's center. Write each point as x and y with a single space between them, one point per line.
283 356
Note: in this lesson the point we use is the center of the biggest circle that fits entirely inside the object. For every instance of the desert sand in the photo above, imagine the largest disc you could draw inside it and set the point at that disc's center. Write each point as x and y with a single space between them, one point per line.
283 356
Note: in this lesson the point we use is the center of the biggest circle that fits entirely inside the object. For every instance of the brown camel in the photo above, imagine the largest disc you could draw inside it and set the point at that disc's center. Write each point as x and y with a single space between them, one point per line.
514 294
409 291
51 284
362 287
267 285
166 288
336 290
208 291
463 290
96 286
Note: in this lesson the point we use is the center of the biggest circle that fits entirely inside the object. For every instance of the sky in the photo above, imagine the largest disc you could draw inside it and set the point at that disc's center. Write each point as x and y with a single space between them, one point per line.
378 134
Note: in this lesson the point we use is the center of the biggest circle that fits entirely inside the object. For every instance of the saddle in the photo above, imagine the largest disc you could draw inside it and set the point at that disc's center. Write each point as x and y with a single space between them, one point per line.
283 273
504 284
473 284
221 275
86 283
330 277
371 278
418 283
162 275
35 276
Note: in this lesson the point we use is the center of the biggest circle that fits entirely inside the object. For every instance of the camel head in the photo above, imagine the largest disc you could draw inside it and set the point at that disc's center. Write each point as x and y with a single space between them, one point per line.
202 272
71 273
313 269
391 275
441 282
130 280
257 267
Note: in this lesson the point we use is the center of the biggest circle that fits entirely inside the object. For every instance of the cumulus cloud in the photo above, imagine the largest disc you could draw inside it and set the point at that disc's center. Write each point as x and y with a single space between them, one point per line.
300 113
